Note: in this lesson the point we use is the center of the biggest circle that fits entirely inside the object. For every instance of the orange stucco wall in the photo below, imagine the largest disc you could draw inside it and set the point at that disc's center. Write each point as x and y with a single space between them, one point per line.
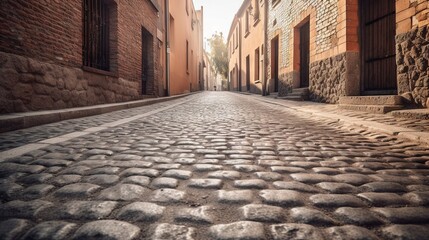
185 26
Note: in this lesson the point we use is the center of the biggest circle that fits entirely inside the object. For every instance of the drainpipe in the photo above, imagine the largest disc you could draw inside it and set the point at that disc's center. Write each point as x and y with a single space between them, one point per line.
167 47
265 66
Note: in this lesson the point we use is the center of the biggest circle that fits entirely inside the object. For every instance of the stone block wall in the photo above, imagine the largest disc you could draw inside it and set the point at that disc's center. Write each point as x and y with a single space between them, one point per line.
41 55
412 57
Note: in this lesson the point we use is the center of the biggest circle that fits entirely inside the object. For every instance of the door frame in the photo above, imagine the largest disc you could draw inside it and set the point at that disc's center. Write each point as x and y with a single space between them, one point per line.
363 87
275 62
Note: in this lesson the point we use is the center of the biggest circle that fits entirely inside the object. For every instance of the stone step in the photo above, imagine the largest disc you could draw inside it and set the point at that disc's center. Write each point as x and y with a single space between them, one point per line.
371 108
300 90
412 113
292 98
371 100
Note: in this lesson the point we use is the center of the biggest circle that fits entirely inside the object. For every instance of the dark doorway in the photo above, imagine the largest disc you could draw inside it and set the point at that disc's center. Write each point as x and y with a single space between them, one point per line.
147 63
275 62
304 39
377 41
248 73
238 78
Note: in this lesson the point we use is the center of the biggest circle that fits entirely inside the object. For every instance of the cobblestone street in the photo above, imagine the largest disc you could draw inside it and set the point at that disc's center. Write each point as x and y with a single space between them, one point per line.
213 165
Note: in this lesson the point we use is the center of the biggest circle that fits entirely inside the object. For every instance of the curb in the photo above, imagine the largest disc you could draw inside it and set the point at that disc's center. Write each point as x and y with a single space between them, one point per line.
15 121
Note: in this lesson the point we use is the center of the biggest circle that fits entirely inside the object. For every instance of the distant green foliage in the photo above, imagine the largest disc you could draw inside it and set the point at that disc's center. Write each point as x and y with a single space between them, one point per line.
219 54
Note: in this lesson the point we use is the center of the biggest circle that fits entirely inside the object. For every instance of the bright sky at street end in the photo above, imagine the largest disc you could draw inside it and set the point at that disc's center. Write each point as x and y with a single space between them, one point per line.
218 15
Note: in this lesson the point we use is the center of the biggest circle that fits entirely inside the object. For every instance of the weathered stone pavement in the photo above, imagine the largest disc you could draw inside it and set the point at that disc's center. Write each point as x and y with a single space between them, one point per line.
219 166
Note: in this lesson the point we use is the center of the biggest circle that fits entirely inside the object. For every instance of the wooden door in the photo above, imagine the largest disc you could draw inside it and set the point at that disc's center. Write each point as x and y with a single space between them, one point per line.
275 63
377 29
304 55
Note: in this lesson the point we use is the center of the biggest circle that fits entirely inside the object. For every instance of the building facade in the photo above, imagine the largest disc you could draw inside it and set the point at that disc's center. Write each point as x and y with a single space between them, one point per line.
209 74
186 47
62 54
349 48
246 47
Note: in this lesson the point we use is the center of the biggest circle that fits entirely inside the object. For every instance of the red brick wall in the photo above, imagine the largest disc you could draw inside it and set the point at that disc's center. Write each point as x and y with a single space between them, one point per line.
41 55
49 31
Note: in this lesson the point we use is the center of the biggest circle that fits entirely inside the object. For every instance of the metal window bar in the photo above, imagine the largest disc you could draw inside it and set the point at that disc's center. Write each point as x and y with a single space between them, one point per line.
96 34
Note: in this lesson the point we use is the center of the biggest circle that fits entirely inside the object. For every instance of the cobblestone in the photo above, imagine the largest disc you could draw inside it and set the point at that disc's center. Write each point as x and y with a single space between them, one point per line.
281 197
408 232
76 190
12 228
50 230
167 231
336 200
205 183
197 215
310 216
350 232
262 213
405 214
107 229
244 230
123 192
358 216
86 210
295 232
237 196
219 159
141 211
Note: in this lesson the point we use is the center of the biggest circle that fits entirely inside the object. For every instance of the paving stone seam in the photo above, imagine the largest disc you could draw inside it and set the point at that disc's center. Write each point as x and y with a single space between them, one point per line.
18 151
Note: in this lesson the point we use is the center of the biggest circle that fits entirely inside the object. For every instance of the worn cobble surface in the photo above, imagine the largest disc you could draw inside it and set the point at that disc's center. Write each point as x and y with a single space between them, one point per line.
218 166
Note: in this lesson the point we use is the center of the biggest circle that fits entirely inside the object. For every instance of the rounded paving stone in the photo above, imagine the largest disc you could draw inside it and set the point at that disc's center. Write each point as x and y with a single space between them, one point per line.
244 230
167 195
164 182
310 216
292 231
350 232
281 197
54 230
205 183
237 196
333 187
137 180
180 174
336 200
12 228
225 175
123 192
141 211
101 179
107 229
77 190
86 209
198 215
167 231
262 213
357 216
405 232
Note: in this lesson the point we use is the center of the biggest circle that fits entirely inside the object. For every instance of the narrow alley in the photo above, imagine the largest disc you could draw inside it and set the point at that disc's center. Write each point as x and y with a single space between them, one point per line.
211 165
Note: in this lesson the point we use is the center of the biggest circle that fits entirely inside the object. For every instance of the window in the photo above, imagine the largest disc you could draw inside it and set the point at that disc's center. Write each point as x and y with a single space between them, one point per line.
247 21
187 56
257 65
236 38
256 11
96 35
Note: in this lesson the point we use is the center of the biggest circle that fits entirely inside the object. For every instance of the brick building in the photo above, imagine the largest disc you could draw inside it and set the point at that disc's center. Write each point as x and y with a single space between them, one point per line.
61 54
349 48
246 47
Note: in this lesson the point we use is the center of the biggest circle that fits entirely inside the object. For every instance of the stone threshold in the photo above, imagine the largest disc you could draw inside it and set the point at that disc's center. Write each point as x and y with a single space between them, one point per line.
15 121
397 131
